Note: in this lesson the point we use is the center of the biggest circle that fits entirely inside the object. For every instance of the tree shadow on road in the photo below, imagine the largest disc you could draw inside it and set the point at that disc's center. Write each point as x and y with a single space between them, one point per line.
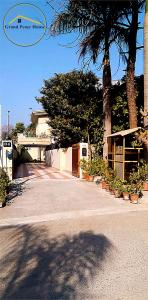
16 189
36 266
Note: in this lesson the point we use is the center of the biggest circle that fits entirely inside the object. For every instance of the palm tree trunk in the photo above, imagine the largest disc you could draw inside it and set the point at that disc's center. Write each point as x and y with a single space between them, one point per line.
146 65
130 83
106 99
145 142
89 145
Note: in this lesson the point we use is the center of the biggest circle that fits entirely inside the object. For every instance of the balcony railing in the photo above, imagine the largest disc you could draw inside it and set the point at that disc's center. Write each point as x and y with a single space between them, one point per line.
36 141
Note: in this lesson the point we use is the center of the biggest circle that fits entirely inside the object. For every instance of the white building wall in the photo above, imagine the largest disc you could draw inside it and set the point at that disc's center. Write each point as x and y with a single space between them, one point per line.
33 152
42 126
68 166
55 158
60 159
36 153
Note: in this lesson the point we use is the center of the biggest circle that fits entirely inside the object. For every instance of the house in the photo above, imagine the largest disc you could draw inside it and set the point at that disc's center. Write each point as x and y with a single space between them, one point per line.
40 119
35 145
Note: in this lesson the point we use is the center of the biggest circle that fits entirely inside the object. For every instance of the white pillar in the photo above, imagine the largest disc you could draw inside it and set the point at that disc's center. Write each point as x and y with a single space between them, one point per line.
146 68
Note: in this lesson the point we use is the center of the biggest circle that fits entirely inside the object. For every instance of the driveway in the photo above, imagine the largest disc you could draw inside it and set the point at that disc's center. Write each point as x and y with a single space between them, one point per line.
64 239
40 171
47 194
99 258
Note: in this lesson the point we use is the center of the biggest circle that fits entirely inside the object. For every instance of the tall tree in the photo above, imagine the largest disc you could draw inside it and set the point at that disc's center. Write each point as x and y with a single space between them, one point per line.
131 16
97 22
74 105
19 128
146 67
120 112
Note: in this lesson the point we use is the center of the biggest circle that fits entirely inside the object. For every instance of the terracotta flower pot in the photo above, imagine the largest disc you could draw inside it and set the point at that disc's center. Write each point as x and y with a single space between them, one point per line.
104 184
90 178
2 201
117 194
111 191
84 175
134 198
126 196
145 185
7 190
107 187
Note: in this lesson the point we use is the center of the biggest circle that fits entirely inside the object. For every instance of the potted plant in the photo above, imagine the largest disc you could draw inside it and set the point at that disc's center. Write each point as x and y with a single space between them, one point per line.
111 190
110 177
104 173
125 189
89 169
111 185
83 166
134 194
143 172
2 195
116 186
136 185
4 182
145 185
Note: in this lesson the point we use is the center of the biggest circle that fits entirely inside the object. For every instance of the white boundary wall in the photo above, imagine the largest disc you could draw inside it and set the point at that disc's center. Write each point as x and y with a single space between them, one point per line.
60 159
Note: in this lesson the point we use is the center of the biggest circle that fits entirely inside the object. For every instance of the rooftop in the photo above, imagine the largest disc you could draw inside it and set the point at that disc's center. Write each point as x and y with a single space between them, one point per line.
124 132
38 113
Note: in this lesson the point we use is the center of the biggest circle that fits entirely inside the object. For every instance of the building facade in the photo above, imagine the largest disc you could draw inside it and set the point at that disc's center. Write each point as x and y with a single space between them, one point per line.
36 144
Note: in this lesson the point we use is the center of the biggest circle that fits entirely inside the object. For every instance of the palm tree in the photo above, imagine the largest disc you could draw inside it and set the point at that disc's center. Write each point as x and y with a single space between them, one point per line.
97 23
146 66
131 41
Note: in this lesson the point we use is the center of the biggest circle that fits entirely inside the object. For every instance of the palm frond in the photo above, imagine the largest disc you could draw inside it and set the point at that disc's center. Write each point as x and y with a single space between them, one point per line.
92 43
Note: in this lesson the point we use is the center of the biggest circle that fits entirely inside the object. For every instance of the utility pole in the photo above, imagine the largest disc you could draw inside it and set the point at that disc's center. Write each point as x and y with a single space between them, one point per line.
0 123
8 123
146 67
30 108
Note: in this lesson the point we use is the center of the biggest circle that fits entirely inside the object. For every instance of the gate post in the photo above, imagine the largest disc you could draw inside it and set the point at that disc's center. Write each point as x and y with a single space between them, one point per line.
7 157
83 154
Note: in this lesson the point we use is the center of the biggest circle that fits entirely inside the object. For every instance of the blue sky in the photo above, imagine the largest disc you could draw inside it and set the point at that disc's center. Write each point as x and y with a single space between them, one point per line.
24 69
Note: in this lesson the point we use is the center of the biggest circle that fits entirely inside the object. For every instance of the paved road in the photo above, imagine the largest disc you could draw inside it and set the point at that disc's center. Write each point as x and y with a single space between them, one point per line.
103 257
39 172
67 239
38 198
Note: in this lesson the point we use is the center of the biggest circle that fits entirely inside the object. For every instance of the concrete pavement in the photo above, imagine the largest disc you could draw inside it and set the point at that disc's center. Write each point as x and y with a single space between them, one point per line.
67 239
44 200
39 171
103 257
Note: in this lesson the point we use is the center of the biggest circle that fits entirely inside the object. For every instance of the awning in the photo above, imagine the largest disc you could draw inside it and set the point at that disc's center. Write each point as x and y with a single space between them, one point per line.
124 132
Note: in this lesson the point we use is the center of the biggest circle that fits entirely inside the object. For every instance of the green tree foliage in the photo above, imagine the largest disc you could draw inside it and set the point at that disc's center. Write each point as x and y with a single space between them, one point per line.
30 130
19 128
74 105
120 112
128 39
99 26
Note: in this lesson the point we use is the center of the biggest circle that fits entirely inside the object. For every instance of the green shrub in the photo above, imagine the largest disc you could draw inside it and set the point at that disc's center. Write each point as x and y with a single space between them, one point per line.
116 183
125 187
136 181
143 170
89 166
4 182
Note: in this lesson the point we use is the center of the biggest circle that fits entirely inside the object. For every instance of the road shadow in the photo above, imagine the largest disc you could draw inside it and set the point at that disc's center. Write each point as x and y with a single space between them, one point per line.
26 174
15 189
36 266
22 171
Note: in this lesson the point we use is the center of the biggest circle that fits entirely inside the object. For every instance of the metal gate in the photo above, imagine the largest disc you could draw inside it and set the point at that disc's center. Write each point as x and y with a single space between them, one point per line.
76 160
